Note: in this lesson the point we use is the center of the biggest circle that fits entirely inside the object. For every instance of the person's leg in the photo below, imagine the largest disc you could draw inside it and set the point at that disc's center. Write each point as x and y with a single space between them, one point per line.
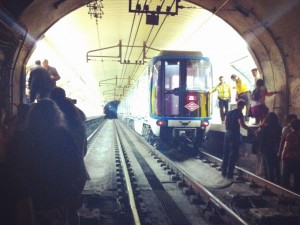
226 105
297 177
286 173
221 108
226 151
233 155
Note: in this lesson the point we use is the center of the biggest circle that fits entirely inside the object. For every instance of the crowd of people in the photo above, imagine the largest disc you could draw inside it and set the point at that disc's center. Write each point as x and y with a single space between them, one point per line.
42 152
42 79
277 149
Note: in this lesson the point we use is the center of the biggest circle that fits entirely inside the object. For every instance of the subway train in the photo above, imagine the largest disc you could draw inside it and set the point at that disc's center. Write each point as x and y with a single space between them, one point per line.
171 103
110 110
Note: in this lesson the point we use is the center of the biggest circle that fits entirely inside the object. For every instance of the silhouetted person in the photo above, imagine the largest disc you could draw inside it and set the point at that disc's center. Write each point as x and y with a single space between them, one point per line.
258 107
58 95
232 139
44 163
74 118
54 76
39 83
290 157
269 139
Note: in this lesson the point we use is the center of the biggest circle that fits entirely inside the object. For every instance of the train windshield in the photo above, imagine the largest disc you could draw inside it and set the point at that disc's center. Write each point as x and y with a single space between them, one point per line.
198 75
174 81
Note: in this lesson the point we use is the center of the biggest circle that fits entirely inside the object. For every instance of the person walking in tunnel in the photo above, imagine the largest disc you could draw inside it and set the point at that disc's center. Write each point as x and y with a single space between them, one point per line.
38 82
232 139
44 165
258 108
269 139
242 93
255 75
224 96
290 156
54 76
74 118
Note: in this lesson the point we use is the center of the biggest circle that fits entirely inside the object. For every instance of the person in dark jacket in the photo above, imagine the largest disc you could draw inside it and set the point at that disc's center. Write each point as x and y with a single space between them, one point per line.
291 157
232 139
39 83
269 140
44 165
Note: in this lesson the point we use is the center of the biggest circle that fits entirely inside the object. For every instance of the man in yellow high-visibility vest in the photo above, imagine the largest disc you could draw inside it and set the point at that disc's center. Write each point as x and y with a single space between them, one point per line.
224 96
242 92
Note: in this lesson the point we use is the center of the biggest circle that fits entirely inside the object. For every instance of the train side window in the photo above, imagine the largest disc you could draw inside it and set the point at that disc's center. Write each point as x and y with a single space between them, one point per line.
172 82
156 102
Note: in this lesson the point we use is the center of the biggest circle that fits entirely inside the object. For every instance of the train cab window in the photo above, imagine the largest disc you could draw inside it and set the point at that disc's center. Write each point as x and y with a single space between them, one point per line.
198 75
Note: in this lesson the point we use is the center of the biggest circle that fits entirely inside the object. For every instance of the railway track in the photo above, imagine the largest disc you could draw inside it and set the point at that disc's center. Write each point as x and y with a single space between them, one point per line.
247 199
154 189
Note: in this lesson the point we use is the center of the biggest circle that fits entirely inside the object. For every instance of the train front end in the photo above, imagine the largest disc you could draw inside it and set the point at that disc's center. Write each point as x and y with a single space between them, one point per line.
180 99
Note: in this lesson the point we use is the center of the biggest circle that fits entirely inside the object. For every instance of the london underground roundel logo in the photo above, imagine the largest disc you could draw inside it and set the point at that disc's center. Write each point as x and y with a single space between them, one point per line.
191 106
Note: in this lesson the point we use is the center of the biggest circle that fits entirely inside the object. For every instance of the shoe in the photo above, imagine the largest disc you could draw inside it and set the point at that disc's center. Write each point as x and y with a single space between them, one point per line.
229 177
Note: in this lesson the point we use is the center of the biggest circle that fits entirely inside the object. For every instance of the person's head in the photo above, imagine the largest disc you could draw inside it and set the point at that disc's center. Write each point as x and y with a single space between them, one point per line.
271 119
70 111
45 63
241 104
290 117
254 72
57 94
221 79
234 77
38 62
295 125
260 83
45 115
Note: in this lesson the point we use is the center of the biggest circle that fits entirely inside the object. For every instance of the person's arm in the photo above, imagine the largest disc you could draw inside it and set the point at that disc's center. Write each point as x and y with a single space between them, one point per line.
243 125
214 89
54 74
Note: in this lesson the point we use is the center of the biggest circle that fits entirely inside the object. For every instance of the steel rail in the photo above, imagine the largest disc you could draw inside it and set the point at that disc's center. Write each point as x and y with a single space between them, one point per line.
133 206
281 191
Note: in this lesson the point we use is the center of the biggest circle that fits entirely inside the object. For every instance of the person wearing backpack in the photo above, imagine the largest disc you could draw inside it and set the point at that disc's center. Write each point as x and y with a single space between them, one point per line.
258 108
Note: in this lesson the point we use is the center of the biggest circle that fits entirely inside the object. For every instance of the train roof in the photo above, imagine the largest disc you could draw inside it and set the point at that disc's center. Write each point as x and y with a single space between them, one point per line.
180 53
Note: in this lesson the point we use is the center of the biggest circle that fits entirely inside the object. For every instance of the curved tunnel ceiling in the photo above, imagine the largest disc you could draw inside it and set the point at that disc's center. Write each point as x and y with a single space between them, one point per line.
270 28
68 42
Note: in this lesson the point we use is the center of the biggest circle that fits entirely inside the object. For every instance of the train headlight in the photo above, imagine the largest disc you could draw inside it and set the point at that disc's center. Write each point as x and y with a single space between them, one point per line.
204 123
162 123
191 98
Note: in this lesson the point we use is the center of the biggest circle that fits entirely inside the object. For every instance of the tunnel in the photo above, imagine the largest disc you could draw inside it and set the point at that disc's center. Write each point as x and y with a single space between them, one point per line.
102 48
269 39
